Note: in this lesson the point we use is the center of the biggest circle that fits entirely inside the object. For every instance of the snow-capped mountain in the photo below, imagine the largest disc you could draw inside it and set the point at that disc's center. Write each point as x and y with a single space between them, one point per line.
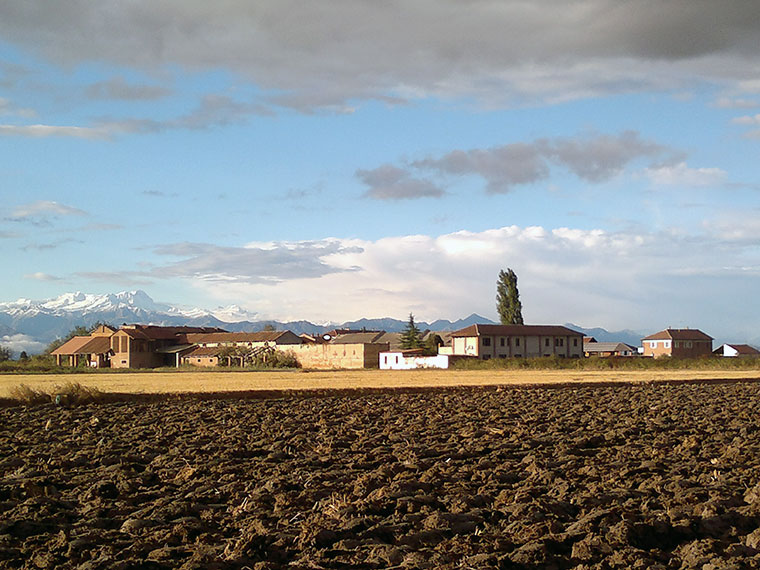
125 302
41 322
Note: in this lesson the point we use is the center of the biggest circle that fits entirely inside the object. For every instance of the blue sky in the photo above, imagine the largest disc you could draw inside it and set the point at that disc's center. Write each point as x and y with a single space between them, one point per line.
364 159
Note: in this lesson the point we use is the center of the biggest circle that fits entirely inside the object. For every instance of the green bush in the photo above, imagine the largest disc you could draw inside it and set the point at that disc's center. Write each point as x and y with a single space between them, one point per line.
612 363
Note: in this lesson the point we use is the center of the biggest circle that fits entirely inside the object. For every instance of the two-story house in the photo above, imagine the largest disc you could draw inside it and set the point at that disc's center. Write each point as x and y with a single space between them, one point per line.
677 343
507 341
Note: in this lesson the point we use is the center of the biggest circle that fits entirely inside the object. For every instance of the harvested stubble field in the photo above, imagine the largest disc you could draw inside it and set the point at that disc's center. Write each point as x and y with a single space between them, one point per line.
642 475
164 382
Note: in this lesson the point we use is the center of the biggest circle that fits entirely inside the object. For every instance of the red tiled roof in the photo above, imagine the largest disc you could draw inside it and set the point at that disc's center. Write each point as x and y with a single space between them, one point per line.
84 345
219 337
515 330
204 351
678 334
744 349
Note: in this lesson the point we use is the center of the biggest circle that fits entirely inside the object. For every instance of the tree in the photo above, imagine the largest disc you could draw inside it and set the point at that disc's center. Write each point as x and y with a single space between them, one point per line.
411 336
23 357
5 353
508 298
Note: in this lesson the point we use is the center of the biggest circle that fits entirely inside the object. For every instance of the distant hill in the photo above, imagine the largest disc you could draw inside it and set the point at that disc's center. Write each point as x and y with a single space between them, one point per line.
44 321
627 336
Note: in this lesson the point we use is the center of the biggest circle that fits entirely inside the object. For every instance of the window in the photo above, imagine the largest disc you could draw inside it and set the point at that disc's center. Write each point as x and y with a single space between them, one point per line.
559 342
486 341
502 341
517 343
546 342
667 344
575 342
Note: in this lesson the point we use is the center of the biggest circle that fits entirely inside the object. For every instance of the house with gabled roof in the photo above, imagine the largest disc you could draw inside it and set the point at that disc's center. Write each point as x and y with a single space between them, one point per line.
736 351
508 341
94 349
151 346
677 343
608 349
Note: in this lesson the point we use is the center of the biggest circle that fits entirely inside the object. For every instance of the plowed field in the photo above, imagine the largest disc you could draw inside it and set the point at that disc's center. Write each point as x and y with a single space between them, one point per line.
626 476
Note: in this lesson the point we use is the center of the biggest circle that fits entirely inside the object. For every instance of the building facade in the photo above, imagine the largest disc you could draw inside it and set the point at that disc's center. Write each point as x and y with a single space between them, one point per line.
677 343
516 341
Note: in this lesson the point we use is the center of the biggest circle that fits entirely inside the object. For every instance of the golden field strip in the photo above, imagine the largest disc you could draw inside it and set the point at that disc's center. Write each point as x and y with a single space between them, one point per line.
165 382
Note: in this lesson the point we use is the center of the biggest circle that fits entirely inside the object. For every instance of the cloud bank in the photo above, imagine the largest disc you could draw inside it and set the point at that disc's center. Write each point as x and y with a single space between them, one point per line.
326 54
589 277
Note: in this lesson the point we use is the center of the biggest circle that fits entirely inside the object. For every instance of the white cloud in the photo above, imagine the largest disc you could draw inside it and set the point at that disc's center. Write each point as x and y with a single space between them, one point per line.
589 277
21 342
748 120
736 103
682 175
43 131
45 208
40 276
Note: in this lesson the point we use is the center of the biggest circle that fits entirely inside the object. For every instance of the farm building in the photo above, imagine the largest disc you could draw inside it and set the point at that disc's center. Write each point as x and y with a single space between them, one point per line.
607 349
736 351
94 349
411 359
677 343
508 341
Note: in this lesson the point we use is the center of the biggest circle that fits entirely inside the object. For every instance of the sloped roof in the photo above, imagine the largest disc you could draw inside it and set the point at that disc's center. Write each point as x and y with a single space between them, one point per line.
204 351
515 330
84 345
744 349
221 337
607 347
359 338
678 334
155 332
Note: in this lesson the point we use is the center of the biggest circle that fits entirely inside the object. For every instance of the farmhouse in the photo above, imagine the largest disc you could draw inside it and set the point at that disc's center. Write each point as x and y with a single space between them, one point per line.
677 343
209 349
607 349
507 341
736 351
94 349
151 346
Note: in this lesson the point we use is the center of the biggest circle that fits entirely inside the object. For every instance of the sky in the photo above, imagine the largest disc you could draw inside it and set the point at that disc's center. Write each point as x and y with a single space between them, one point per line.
341 159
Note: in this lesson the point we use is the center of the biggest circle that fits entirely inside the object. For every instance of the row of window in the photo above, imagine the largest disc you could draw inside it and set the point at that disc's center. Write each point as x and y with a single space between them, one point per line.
677 344
558 341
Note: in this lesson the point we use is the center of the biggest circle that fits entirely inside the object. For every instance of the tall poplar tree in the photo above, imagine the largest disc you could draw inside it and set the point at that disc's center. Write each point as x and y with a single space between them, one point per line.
508 298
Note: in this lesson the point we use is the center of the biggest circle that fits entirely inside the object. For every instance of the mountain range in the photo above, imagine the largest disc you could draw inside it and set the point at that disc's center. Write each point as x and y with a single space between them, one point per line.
31 325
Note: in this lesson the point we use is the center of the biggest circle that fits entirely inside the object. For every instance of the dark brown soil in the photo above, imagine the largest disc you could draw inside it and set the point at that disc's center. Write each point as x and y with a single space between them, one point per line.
644 476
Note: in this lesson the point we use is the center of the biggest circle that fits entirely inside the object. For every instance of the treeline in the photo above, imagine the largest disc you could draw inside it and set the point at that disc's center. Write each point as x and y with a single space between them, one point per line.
610 363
